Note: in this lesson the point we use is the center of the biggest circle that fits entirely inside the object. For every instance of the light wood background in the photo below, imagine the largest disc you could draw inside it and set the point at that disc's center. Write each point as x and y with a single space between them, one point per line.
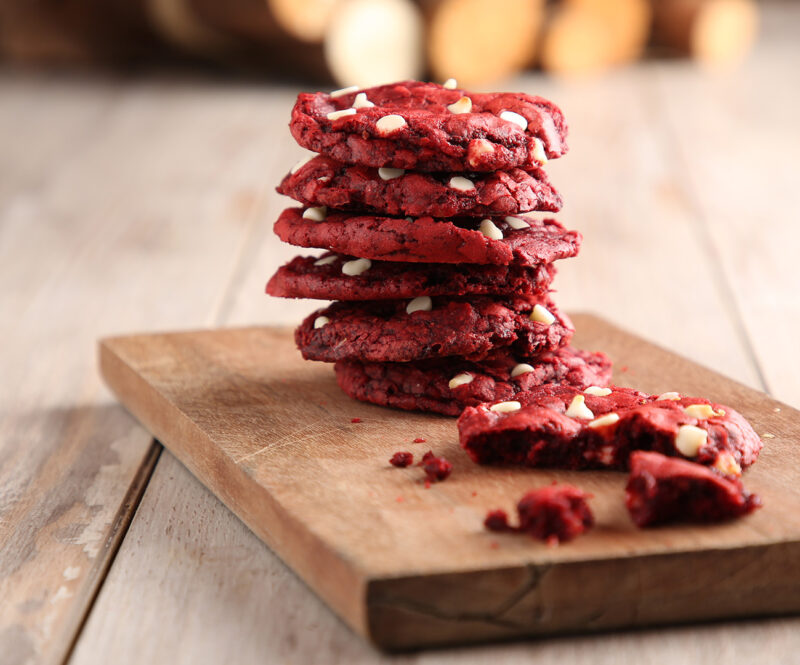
147 204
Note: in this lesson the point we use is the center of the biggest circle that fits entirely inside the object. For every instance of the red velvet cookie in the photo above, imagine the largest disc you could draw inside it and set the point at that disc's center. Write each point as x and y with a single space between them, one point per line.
448 385
559 426
326 182
334 277
426 127
429 240
405 330
665 489
555 513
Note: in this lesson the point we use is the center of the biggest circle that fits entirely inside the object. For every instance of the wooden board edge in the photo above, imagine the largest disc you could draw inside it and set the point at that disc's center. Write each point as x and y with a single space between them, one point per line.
593 596
341 585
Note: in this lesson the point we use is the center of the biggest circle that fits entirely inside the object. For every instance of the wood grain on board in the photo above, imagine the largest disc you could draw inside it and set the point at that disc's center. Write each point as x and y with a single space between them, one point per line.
408 566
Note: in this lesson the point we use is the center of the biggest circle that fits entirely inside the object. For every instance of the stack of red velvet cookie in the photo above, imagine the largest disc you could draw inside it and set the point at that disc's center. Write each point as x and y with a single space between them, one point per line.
420 194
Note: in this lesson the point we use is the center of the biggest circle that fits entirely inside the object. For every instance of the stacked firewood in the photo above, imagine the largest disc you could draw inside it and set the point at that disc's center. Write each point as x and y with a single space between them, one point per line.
361 42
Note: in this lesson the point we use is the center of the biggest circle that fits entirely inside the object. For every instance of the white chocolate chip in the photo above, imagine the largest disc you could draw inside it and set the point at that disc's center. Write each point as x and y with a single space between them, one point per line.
670 396
505 407
690 439
315 214
420 304
356 267
478 148
460 380
361 101
727 464
321 321
701 411
301 164
522 368
542 315
539 153
603 421
344 91
597 391
390 123
489 229
577 408
335 115
390 174
767 435
326 260
461 183
450 84
516 223
463 105
409 219
516 118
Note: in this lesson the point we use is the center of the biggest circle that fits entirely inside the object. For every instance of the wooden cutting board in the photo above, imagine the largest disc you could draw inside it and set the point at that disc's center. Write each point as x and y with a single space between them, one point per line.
406 566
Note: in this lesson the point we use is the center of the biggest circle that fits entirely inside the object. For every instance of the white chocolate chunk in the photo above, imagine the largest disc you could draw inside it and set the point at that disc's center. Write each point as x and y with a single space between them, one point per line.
390 174
450 84
335 115
409 219
478 148
361 101
670 396
542 315
390 123
344 91
463 105
577 408
356 267
701 411
522 368
539 153
505 407
516 223
326 260
491 231
315 214
460 380
321 321
597 391
604 421
727 464
690 439
461 183
301 164
516 118
420 304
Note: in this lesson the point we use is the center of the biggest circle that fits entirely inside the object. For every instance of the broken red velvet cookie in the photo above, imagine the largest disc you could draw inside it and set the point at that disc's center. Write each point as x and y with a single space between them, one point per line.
561 427
665 489
428 127
555 513
436 468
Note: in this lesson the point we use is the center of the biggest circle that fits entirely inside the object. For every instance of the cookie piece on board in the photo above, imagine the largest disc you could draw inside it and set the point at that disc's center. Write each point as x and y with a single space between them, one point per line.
561 427
334 277
386 191
498 241
424 327
427 127
448 385
666 489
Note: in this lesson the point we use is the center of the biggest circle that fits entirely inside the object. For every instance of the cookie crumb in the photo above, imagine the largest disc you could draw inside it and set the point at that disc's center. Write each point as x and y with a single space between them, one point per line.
402 459
355 420
436 468
419 439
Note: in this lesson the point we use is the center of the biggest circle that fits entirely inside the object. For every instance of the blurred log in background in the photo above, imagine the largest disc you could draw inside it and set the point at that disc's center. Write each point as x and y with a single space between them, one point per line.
362 42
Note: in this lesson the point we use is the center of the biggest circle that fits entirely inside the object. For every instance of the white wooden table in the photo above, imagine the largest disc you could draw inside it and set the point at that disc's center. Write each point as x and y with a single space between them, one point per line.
147 204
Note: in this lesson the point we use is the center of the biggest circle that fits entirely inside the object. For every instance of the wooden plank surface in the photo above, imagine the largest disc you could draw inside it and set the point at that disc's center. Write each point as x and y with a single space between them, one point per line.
406 565
93 223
